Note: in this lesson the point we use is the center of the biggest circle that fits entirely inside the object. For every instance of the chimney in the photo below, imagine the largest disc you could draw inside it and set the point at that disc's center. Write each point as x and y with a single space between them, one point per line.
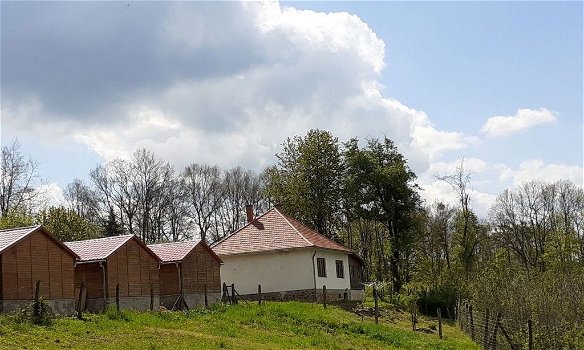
249 213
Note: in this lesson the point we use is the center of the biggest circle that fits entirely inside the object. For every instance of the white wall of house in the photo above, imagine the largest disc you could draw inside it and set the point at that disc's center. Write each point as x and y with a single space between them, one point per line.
331 281
276 271
280 271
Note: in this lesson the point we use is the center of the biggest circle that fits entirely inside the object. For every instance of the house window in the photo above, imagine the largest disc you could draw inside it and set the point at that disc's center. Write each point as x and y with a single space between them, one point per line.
340 270
321 267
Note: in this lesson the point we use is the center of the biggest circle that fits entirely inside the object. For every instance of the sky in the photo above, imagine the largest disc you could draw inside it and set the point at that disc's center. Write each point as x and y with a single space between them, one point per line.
496 83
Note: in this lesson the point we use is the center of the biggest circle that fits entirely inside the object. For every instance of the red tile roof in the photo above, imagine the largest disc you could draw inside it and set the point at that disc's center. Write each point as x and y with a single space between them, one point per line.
10 237
273 231
177 251
98 249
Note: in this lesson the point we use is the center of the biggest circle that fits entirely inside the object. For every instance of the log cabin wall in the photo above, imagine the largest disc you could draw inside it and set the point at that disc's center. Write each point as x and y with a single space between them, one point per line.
91 275
200 267
169 284
135 269
37 258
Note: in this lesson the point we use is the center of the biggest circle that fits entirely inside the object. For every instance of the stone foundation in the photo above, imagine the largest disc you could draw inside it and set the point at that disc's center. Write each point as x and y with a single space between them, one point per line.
64 307
193 300
307 295
133 303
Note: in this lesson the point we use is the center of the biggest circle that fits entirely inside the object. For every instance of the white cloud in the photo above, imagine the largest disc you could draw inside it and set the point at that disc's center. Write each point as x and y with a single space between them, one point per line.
522 120
440 191
227 83
537 170
473 165
49 194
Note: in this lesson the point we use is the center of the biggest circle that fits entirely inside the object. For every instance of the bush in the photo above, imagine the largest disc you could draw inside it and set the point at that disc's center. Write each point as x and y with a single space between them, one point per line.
37 312
113 314
443 297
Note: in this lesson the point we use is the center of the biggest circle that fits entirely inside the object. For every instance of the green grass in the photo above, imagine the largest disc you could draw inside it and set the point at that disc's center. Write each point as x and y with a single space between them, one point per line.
288 325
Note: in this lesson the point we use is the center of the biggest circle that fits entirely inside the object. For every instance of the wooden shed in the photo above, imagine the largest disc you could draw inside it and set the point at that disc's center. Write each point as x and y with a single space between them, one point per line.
189 274
29 255
124 263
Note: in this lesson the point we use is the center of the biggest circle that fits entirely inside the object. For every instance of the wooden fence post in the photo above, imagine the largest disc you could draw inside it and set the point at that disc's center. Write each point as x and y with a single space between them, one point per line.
494 337
472 333
206 297
376 310
530 334
439 323
37 292
486 330
259 294
224 296
118 297
37 297
324 296
414 320
233 299
151 297
79 310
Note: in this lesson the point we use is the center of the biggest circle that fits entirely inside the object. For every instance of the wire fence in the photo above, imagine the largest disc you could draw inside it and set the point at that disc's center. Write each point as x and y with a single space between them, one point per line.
492 330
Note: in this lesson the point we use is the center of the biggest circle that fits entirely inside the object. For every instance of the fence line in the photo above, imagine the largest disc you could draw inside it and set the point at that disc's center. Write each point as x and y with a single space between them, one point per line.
491 330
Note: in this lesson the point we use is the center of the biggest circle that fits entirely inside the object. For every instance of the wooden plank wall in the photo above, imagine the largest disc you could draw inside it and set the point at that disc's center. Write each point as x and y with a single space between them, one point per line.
92 277
37 257
134 269
200 268
169 280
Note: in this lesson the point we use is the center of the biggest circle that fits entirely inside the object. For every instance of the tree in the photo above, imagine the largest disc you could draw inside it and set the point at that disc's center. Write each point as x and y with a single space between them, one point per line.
205 194
66 225
240 188
16 218
18 181
82 200
111 226
307 181
380 187
466 223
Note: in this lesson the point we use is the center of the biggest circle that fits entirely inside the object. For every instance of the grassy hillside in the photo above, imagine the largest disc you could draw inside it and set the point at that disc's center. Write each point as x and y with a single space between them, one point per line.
273 326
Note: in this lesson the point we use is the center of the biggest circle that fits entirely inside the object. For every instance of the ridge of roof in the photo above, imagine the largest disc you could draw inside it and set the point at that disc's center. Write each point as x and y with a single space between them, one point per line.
295 222
155 248
283 233
79 245
19 233
294 227
20 228
240 229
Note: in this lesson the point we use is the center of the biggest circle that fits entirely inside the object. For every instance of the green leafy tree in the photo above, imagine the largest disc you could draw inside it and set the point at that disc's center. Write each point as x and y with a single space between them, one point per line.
67 225
16 218
380 187
307 180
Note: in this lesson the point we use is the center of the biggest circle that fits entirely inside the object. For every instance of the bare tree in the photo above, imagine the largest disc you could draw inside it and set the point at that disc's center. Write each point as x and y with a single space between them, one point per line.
240 188
19 178
460 182
537 217
82 200
205 194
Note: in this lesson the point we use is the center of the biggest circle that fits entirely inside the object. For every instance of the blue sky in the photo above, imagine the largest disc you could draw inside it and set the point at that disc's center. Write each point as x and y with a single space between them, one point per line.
225 83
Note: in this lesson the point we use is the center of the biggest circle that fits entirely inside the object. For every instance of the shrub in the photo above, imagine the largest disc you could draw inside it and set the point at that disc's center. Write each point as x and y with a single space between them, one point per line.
113 314
37 312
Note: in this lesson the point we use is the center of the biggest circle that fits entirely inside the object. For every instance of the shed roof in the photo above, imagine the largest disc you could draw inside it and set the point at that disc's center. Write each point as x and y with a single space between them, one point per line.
101 248
10 237
274 230
177 251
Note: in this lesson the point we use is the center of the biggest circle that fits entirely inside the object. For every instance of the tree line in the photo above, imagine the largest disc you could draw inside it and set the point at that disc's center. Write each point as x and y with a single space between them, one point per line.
527 255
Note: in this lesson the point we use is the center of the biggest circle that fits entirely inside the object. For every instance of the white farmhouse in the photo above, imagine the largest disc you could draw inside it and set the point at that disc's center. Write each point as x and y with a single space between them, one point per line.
289 260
